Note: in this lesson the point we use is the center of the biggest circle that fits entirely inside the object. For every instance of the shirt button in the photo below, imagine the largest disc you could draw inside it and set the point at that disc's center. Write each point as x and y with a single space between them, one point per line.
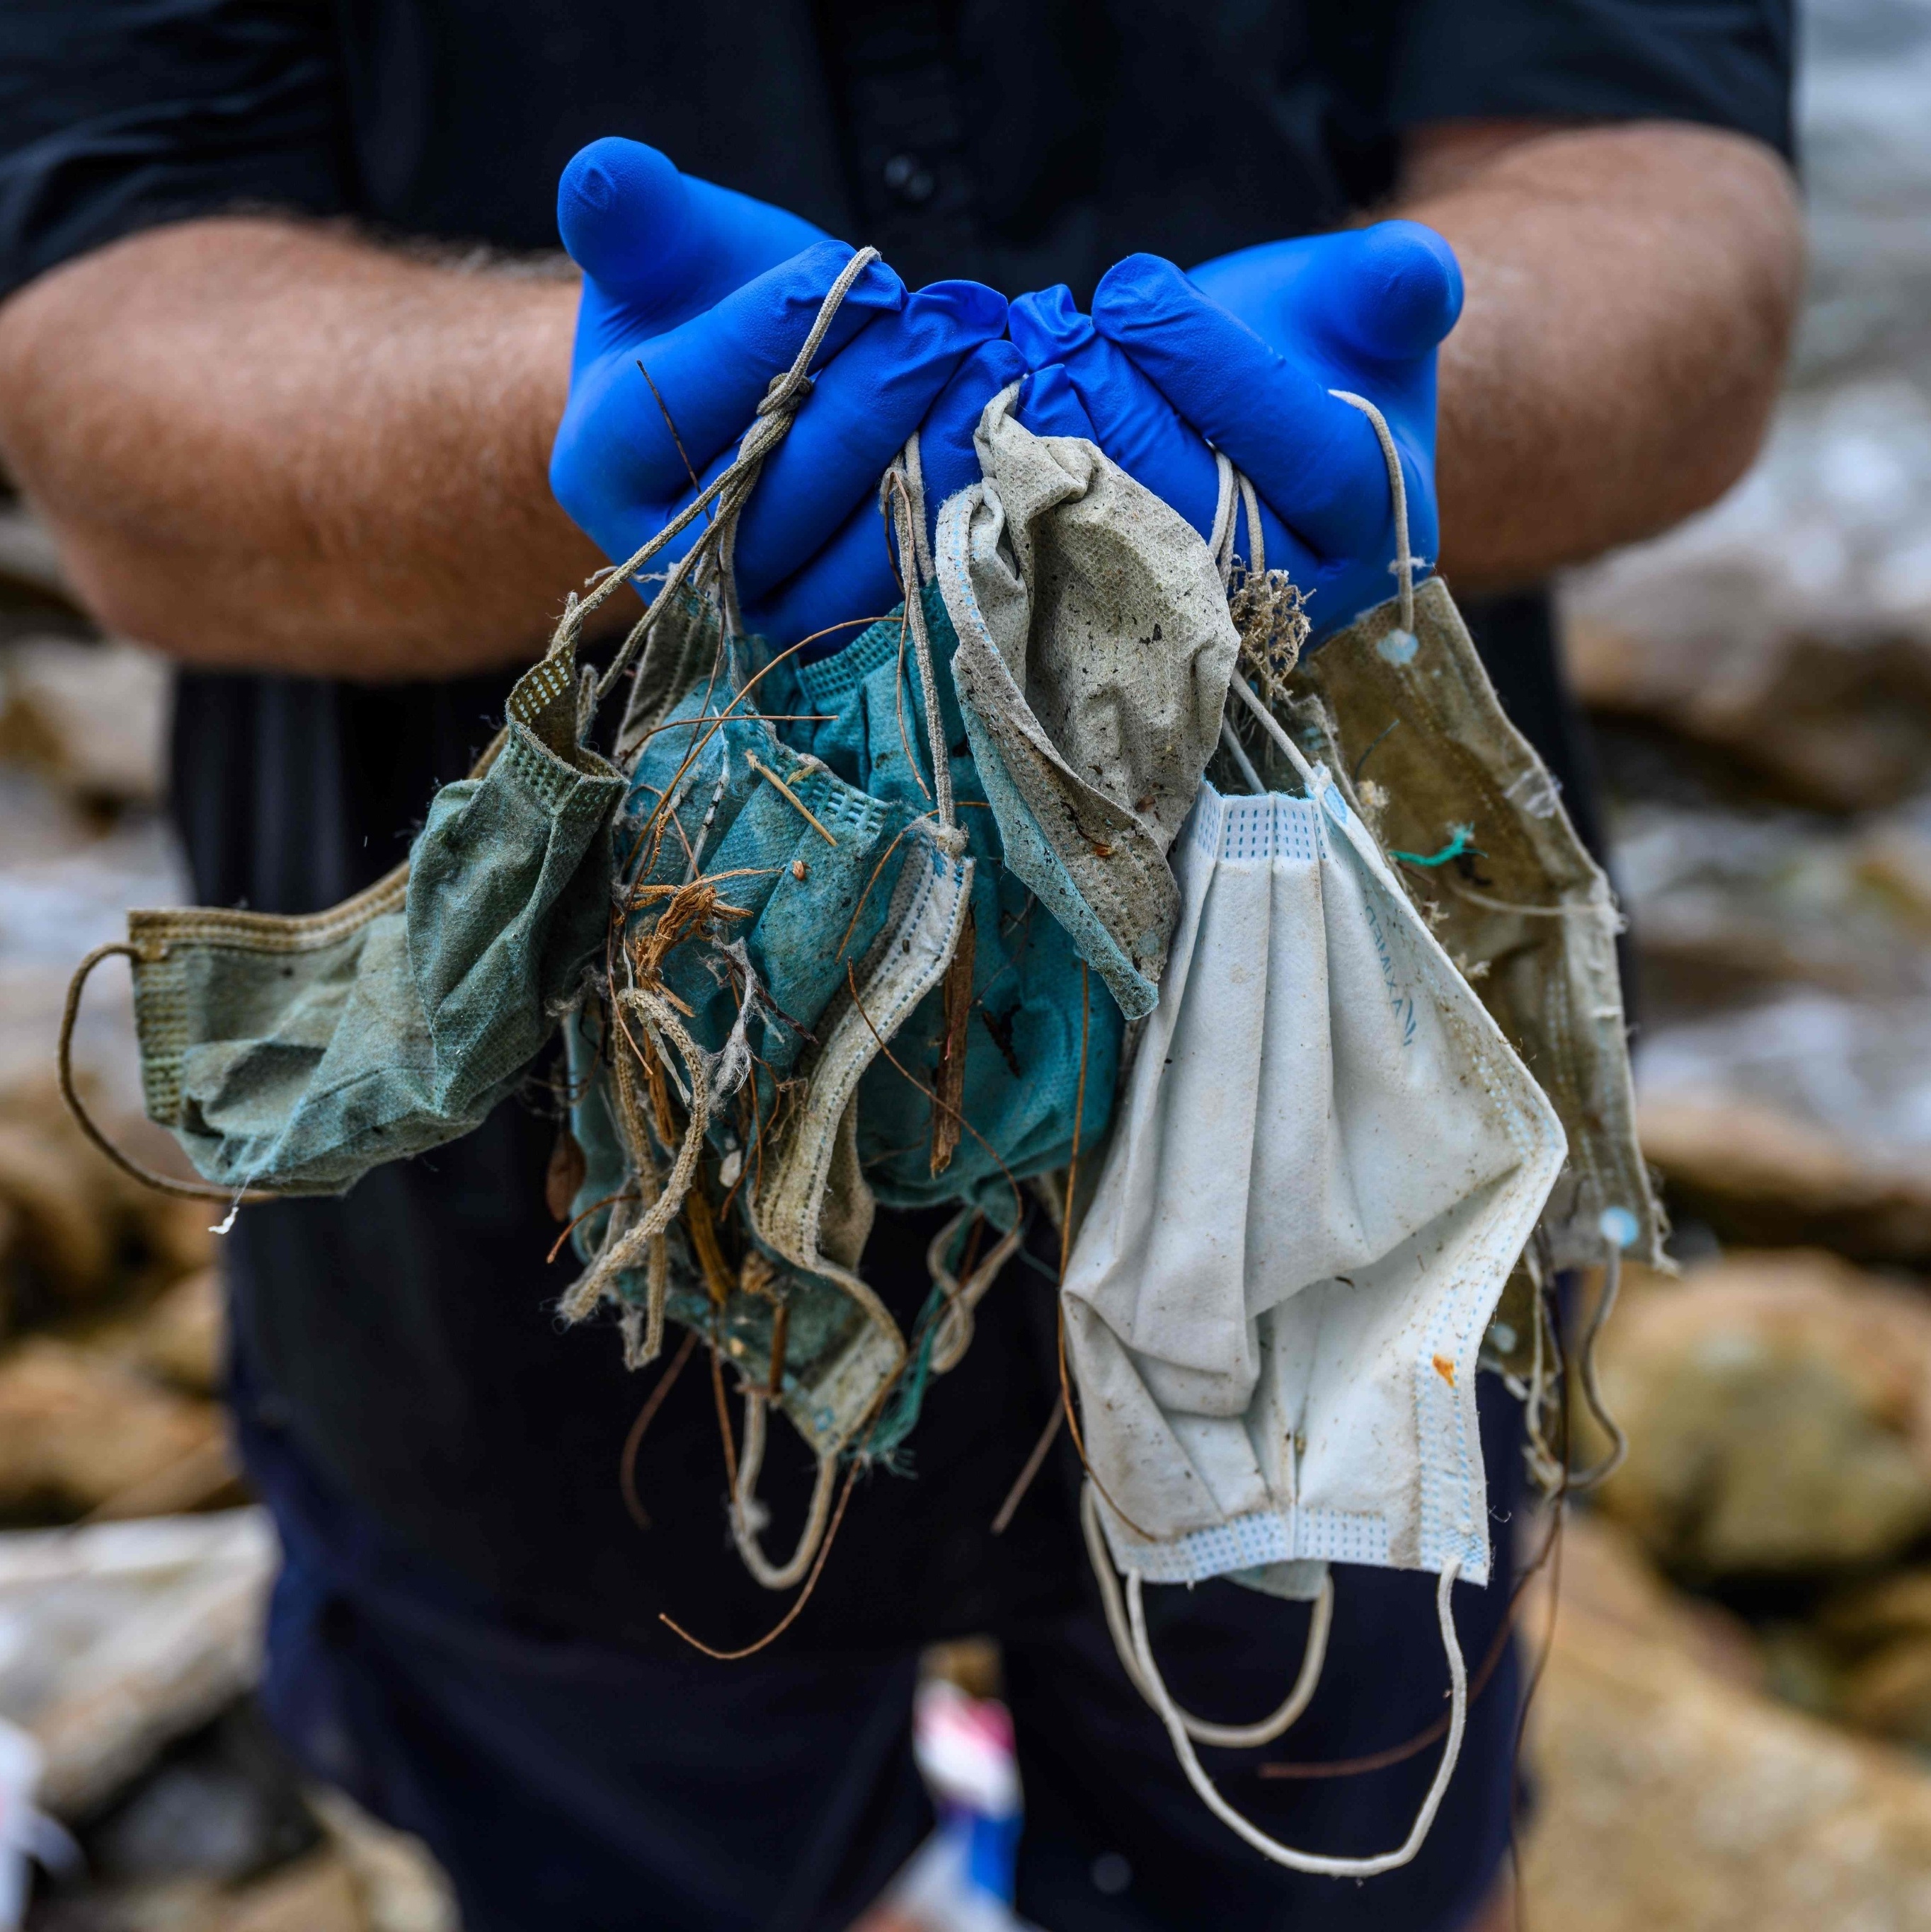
910 179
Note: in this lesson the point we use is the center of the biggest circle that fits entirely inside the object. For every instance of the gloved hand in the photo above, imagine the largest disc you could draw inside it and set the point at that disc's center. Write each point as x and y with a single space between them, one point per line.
713 294
1242 354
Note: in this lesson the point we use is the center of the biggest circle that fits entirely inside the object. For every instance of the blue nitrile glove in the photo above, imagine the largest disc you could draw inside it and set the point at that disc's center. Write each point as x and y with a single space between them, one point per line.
713 294
1243 353
852 576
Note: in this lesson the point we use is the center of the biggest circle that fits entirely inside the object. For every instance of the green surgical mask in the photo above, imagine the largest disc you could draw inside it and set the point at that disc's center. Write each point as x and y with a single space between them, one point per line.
289 1055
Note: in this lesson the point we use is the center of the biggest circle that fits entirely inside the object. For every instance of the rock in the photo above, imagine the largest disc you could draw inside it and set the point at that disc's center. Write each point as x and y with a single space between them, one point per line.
225 1804
1837 727
92 718
1779 1410
1789 627
115 1640
29 563
84 1231
317 1894
1670 1796
400 1886
77 1429
179 1338
1874 1638
1726 903
1757 1174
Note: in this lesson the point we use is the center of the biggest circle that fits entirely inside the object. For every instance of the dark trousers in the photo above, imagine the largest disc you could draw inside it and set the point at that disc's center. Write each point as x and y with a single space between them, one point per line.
573 1787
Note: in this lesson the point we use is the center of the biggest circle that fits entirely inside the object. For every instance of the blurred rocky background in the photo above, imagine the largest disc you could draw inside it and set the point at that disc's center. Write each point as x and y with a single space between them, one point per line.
1733 1730
135 1775
1734 1727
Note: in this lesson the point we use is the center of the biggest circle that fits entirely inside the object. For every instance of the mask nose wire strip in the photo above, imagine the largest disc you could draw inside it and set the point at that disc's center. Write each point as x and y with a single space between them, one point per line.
1397 488
1231 1737
1271 1848
904 485
746 1509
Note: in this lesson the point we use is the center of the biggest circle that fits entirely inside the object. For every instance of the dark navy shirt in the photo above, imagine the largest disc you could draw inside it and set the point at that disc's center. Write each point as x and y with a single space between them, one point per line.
401 1339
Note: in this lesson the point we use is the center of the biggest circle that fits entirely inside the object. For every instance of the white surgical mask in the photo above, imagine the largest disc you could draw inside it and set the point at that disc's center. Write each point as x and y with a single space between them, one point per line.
1326 1161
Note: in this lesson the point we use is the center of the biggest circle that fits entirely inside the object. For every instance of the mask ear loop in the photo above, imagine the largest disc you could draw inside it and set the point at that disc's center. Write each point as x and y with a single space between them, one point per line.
1145 1671
1231 1737
1233 489
1271 1848
729 490
746 1509
162 1184
1591 1391
955 1326
1403 565
1220 537
638 1242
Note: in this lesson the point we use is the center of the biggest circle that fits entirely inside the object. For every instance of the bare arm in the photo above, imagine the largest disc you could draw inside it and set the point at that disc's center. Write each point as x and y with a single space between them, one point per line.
1631 291
263 444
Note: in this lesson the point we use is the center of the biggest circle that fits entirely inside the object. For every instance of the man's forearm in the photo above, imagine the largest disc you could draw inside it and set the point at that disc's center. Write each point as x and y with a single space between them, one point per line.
1630 295
263 444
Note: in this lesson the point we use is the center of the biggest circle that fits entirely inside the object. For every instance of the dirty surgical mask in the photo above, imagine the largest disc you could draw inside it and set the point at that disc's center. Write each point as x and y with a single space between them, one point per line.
1032 1027
1400 707
1094 649
1276 1354
776 928
289 1055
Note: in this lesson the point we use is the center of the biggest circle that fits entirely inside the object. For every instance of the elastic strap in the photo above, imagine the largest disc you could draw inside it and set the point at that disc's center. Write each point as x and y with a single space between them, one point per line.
1592 1392
1271 1848
1232 1737
1235 492
1271 725
1237 752
730 490
632 1245
1397 488
1220 537
955 1332
184 1190
746 1509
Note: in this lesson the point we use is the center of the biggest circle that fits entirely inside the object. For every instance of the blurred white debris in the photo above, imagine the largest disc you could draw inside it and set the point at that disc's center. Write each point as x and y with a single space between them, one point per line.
1859 1070
964 1745
116 1638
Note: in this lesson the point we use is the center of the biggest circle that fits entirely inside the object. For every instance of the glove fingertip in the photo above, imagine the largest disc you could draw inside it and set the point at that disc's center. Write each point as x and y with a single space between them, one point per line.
1046 322
1048 405
1408 290
1136 288
975 309
621 213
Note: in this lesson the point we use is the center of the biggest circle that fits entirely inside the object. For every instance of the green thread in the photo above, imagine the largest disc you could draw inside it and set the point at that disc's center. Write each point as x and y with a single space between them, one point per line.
1462 843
